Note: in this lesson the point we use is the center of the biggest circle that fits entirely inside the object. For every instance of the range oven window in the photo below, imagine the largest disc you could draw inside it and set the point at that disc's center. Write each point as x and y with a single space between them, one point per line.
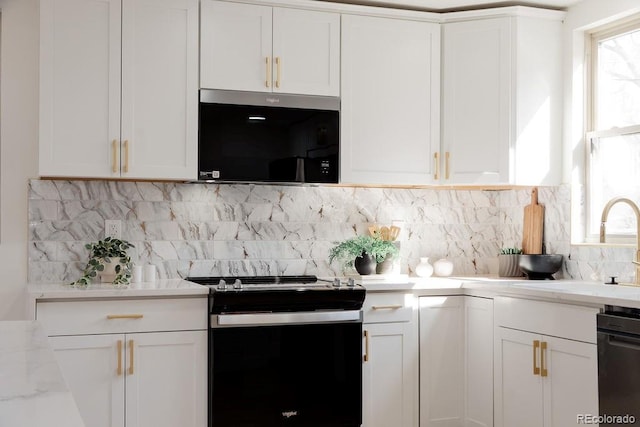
287 375
265 143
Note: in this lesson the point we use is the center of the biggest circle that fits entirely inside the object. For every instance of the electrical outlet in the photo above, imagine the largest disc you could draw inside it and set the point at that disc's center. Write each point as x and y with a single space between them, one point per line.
112 228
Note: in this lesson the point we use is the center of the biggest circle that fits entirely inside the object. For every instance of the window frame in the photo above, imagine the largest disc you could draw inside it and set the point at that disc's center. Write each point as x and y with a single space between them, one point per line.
593 37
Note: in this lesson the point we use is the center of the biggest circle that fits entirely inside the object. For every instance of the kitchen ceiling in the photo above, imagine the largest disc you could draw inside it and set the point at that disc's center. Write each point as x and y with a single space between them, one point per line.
455 5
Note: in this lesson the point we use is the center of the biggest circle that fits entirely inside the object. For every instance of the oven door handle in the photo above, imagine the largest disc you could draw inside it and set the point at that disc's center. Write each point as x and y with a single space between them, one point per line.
265 319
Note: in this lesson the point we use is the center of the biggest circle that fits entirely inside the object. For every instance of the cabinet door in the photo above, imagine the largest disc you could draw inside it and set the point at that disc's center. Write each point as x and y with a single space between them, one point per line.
89 364
571 386
477 76
390 100
441 361
79 87
235 46
389 376
306 52
518 392
160 89
478 357
166 379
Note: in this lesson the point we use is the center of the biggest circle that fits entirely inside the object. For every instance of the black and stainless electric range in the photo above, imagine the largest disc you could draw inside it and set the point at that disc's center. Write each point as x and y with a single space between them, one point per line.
284 351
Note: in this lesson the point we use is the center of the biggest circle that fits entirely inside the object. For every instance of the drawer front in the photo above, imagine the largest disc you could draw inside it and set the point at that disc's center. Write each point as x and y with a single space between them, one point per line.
560 320
388 307
122 316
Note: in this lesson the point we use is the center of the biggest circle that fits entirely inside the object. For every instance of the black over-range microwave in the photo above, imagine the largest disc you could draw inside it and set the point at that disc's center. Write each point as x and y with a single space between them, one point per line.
265 137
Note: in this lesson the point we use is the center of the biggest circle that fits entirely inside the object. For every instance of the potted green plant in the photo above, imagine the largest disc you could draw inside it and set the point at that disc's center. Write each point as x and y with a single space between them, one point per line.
508 262
362 252
108 257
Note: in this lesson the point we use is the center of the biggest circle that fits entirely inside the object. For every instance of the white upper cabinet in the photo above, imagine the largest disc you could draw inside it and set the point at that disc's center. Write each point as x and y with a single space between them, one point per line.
264 49
160 89
390 122
118 88
502 98
79 86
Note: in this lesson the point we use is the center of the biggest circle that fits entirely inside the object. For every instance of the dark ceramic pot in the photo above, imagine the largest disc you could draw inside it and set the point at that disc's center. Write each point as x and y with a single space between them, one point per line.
540 267
365 264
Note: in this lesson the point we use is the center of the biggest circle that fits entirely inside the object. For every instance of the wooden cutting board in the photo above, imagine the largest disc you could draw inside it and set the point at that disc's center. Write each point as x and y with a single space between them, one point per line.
533 225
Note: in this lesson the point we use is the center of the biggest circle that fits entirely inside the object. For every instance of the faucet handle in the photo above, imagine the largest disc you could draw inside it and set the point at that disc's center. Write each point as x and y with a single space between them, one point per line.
612 282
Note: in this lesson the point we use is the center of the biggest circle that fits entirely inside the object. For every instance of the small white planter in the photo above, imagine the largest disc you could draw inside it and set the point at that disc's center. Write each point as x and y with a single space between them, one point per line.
109 274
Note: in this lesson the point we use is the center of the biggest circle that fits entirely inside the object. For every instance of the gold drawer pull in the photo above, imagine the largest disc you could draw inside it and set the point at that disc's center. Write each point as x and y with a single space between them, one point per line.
114 156
387 307
543 367
125 167
366 346
536 369
268 81
119 368
436 158
124 316
278 71
446 165
130 357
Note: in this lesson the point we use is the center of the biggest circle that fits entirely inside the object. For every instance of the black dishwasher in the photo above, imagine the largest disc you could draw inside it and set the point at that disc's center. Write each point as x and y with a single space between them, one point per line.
619 366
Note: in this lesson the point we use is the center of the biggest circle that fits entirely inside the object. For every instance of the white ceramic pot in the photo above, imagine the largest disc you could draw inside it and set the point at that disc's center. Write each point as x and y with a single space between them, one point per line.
443 267
108 275
424 269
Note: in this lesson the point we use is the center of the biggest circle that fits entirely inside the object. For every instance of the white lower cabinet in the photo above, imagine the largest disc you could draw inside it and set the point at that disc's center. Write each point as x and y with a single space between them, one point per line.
542 376
390 367
132 379
456 359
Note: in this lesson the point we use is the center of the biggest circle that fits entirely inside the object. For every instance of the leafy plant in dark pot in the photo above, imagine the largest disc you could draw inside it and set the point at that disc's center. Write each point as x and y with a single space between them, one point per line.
363 253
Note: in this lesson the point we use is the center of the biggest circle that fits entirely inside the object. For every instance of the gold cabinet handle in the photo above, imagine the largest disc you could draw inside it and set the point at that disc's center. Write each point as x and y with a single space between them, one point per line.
268 81
543 367
124 316
119 368
125 168
130 357
278 70
446 165
114 156
436 157
366 346
536 368
387 307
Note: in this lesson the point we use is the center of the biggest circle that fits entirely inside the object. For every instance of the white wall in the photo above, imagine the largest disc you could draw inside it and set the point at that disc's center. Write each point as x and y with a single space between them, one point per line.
18 145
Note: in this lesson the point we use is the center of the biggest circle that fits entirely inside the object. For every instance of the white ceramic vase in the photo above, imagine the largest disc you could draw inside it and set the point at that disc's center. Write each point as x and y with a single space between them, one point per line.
424 269
443 267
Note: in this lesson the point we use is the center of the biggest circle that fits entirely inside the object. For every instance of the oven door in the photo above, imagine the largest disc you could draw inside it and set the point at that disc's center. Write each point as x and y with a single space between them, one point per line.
286 375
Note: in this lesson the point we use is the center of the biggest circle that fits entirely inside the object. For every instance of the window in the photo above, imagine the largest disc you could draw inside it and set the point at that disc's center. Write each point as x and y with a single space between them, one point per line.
613 136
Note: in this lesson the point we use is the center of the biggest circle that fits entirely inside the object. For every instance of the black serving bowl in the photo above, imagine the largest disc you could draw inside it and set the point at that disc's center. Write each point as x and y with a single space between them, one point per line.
540 267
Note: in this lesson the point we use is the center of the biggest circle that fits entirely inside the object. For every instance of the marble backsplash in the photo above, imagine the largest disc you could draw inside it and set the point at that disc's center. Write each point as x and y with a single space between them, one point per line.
221 229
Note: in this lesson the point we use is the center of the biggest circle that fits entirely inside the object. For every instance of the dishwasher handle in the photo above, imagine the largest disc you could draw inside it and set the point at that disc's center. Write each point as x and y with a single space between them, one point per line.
619 340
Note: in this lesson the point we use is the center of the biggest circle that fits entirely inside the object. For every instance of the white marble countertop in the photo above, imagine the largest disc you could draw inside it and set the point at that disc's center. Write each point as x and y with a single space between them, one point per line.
32 390
159 288
566 291
166 288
